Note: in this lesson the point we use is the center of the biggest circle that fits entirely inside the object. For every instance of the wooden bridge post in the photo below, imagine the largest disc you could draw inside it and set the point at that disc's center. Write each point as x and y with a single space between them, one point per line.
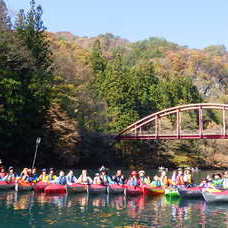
135 130
224 121
178 123
157 126
200 121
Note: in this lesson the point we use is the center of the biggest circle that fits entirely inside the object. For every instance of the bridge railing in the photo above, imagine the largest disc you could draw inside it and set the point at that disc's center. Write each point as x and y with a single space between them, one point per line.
149 127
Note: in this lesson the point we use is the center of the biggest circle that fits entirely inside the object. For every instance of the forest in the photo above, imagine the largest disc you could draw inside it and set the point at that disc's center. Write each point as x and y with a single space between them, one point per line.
77 92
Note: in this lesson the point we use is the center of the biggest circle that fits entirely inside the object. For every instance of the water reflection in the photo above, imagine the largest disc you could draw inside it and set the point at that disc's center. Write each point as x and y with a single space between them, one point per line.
109 211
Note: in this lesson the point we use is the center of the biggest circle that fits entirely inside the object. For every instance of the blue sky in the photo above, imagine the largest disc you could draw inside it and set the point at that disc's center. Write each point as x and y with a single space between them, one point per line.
195 23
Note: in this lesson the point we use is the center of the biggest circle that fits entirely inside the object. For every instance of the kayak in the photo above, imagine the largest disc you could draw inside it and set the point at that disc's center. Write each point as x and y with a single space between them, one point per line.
194 192
153 191
77 188
172 193
133 191
24 186
55 189
4 185
40 186
116 189
218 196
97 188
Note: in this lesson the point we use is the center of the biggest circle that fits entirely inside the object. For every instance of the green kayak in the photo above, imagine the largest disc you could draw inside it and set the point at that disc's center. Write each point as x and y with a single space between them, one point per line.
172 193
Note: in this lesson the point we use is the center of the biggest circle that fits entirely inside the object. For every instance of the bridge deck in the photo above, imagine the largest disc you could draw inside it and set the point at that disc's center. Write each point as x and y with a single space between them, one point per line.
152 137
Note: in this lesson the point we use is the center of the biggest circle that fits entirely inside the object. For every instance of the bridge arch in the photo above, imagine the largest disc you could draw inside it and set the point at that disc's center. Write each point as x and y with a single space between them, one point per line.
136 131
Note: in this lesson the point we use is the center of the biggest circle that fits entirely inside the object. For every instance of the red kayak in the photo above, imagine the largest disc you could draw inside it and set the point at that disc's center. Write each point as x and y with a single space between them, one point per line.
116 188
134 190
153 191
77 188
4 185
97 188
55 189
40 186
24 186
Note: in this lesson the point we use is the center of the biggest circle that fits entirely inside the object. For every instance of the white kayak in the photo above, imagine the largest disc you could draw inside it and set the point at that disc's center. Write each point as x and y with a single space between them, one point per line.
217 196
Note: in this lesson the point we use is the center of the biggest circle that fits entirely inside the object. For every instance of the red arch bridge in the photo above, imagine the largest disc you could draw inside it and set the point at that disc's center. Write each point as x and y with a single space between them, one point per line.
192 121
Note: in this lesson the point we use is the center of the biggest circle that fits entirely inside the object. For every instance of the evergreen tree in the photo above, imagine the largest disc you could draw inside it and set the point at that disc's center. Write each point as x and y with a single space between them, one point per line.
26 82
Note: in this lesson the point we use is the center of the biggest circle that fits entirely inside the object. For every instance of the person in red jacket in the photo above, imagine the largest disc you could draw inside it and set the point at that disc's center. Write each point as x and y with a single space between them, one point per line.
2 173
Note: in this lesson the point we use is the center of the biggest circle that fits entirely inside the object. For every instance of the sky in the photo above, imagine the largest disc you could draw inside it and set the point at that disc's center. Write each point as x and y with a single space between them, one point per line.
195 23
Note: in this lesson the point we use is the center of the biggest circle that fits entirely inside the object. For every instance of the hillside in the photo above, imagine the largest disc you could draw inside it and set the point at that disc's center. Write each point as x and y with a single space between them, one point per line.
207 68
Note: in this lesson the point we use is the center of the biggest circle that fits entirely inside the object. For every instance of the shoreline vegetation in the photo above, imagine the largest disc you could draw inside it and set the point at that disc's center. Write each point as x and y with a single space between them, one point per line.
76 92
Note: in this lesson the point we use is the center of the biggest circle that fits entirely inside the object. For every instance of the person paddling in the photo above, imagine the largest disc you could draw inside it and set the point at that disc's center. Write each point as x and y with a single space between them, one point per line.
133 180
105 178
35 175
188 180
61 179
51 176
84 179
43 177
164 179
2 173
217 181
70 178
180 178
11 176
156 182
142 178
97 179
119 178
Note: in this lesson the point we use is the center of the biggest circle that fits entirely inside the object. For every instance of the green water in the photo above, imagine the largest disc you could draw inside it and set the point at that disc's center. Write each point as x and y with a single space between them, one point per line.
82 210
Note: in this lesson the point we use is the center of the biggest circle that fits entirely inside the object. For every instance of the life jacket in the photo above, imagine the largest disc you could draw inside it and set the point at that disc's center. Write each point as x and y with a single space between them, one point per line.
164 180
188 179
43 178
105 179
52 177
144 180
133 182
218 183
10 177
2 175
119 179
84 180
71 179
62 180
156 183
179 180
97 180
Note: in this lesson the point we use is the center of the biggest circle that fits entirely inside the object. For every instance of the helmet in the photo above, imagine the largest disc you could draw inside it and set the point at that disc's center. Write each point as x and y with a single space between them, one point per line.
103 169
141 171
44 170
134 173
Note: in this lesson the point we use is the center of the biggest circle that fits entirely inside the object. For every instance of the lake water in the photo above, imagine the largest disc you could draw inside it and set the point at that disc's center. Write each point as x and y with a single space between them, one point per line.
81 210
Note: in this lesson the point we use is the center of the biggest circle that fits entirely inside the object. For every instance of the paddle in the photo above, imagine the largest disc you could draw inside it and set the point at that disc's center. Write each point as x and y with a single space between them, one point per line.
38 140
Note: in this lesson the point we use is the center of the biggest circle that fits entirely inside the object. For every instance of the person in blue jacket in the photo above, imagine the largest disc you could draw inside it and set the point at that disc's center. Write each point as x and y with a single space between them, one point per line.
61 179
70 178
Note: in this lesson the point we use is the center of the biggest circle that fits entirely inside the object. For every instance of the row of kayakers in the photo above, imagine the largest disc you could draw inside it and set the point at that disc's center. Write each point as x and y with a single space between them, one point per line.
139 178
180 177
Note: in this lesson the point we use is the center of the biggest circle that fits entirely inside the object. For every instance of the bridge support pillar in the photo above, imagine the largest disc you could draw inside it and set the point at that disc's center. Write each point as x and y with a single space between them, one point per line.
200 121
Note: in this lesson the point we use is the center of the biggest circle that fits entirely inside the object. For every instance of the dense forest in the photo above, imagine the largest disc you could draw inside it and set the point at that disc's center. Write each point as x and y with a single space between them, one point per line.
77 92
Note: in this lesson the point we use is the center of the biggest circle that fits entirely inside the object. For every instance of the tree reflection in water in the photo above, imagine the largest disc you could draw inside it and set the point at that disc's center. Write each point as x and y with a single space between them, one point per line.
110 210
